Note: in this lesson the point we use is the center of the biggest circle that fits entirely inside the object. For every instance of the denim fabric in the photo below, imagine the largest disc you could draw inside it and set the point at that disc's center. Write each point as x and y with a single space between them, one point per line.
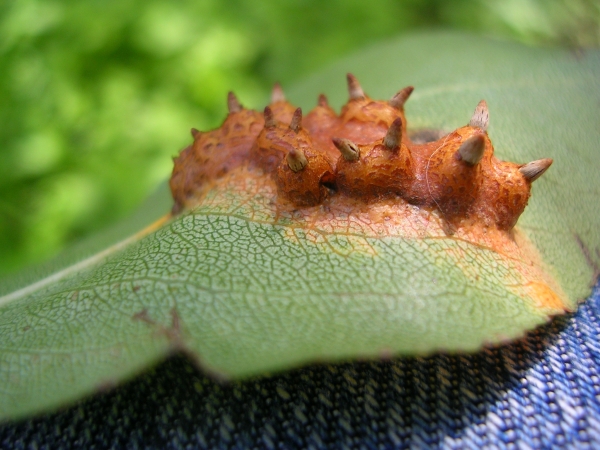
541 392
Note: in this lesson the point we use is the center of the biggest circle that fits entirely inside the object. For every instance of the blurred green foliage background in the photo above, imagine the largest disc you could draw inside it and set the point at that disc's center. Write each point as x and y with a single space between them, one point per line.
97 95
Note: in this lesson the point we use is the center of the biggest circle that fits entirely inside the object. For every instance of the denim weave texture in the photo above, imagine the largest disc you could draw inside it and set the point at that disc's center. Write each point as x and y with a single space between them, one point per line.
540 392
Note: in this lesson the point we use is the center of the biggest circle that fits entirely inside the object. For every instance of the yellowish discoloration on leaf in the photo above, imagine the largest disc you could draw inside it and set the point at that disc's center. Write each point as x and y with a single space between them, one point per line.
522 271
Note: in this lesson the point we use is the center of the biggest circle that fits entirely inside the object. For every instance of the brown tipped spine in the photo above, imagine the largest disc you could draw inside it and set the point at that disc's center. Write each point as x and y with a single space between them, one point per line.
398 100
195 132
270 121
323 101
349 150
354 89
232 103
393 137
481 116
277 94
535 169
296 160
472 149
296 123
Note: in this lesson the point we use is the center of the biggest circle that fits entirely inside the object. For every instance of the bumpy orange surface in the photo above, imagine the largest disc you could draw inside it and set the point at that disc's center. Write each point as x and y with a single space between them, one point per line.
361 156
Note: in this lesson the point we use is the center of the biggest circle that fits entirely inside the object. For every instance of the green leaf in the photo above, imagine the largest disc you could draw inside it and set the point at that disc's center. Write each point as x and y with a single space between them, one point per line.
245 292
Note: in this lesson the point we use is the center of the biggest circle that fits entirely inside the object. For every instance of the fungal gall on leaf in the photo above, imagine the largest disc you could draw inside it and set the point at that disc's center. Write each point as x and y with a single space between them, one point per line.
360 170
363 154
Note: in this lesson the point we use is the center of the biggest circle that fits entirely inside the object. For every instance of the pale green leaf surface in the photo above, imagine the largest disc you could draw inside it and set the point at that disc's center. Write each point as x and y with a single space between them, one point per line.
252 297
